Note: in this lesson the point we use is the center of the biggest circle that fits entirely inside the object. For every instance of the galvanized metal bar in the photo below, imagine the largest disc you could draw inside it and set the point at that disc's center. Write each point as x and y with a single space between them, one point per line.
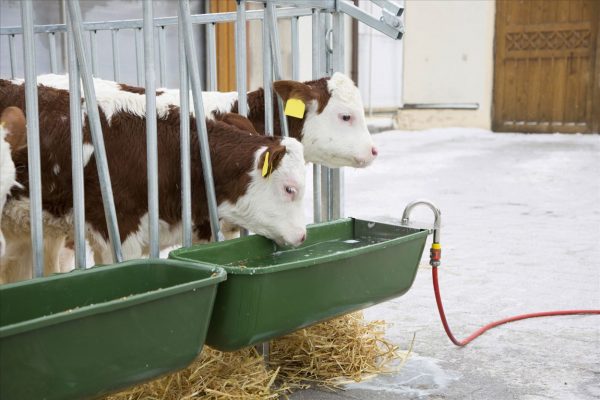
276 61
96 130
295 50
198 19
240 59
151 125
184 128
395 32
267 78
336 193
33 140
52 48
115 54
162 56
316 72
326 199
76 156
212 57
193 71
13 56
139 57
94 49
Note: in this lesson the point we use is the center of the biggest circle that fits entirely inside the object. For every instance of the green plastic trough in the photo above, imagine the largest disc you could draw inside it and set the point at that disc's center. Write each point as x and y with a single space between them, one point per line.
87 333
345 265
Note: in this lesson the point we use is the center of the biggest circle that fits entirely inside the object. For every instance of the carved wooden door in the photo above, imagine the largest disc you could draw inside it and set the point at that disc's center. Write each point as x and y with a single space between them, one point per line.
547 66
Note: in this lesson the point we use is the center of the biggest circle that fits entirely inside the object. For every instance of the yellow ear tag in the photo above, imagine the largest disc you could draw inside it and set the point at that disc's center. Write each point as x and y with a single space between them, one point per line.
295 108
265 167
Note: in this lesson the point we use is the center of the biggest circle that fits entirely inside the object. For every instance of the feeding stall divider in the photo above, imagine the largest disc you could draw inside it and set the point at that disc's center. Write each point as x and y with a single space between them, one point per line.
86 333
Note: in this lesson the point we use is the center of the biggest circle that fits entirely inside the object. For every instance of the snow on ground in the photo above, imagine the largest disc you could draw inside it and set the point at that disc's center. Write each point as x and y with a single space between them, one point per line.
521 228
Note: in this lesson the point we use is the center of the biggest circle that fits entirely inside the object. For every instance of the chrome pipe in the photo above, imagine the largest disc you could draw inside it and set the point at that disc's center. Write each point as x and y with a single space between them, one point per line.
96 130
151 126
33 140
193 70
184 128
437 223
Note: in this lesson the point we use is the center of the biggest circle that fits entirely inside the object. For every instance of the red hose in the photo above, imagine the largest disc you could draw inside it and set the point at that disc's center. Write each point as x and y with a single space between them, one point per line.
480 331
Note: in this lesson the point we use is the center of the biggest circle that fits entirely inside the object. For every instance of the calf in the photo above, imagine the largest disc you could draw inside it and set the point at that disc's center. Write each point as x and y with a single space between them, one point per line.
12 137
259 181
333 129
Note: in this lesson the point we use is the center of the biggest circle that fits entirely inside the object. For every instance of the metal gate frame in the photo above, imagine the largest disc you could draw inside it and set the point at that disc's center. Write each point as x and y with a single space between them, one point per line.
328 57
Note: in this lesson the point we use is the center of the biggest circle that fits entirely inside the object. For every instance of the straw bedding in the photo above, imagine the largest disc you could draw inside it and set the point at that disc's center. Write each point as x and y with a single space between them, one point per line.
329 354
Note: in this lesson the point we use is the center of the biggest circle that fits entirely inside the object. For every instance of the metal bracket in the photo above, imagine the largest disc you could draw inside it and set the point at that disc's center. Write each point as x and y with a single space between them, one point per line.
389 23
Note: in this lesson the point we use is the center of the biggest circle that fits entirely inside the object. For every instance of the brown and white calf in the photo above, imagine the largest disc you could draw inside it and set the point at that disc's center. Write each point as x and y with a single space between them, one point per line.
333 130
269 204
12 138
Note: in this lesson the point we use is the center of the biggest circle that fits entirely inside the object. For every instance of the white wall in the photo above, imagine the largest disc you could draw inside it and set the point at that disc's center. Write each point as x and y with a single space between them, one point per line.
448 58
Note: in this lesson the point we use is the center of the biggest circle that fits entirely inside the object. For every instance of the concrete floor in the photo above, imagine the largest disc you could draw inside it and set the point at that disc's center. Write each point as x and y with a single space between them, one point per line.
521 228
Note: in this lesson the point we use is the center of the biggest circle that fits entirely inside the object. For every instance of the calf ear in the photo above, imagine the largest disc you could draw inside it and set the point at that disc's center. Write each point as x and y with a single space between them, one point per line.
270 159
14 123
294 90
238 121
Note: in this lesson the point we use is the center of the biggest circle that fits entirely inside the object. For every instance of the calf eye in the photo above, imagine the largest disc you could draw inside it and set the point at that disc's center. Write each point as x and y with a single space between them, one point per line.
346 117
290 190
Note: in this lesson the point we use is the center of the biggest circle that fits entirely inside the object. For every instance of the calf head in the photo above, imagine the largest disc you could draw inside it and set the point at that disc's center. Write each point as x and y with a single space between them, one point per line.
272 204
335 132
12 137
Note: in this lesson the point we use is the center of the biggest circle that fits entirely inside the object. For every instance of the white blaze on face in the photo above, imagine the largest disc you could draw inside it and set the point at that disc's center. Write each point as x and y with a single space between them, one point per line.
272 205
7 177
338 136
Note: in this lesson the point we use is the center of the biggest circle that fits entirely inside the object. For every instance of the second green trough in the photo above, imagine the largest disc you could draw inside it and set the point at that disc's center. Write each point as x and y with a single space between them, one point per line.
345 265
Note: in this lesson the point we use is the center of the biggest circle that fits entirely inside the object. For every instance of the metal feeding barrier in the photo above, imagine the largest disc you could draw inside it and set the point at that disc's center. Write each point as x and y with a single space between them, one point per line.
327 53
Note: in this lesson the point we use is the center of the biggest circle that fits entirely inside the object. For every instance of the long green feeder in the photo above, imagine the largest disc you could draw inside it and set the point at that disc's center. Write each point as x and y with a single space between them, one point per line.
87 333
345 265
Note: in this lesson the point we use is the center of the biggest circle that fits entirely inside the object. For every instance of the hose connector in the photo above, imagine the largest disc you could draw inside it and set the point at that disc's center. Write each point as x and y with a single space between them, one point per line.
435 253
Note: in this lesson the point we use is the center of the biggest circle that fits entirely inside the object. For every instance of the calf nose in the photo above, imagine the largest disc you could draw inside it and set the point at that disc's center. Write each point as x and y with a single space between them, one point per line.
374 151
303 238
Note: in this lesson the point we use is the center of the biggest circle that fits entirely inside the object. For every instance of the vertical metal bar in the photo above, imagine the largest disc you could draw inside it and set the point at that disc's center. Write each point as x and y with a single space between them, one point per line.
326 199
162 55
151 134
76 156
316 72
75 29
212 57
193 71
94 49
52 47
336 193
184 127
139 56
240 60
295 50
115 54
271 18
267 77
33 139
13 56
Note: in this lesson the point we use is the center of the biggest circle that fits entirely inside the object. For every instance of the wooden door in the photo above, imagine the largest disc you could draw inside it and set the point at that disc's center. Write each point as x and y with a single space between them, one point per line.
547 66
225 36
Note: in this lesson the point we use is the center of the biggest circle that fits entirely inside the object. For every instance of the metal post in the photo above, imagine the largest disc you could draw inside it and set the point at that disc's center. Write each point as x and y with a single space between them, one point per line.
295 50
271 19
139 57
94 49
151 135
267 78
212 56
326 199
316 72
193 71
184 128
13 56
76 156
240 60
52 47
75 29
33 139
162 56
336 193
115 53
